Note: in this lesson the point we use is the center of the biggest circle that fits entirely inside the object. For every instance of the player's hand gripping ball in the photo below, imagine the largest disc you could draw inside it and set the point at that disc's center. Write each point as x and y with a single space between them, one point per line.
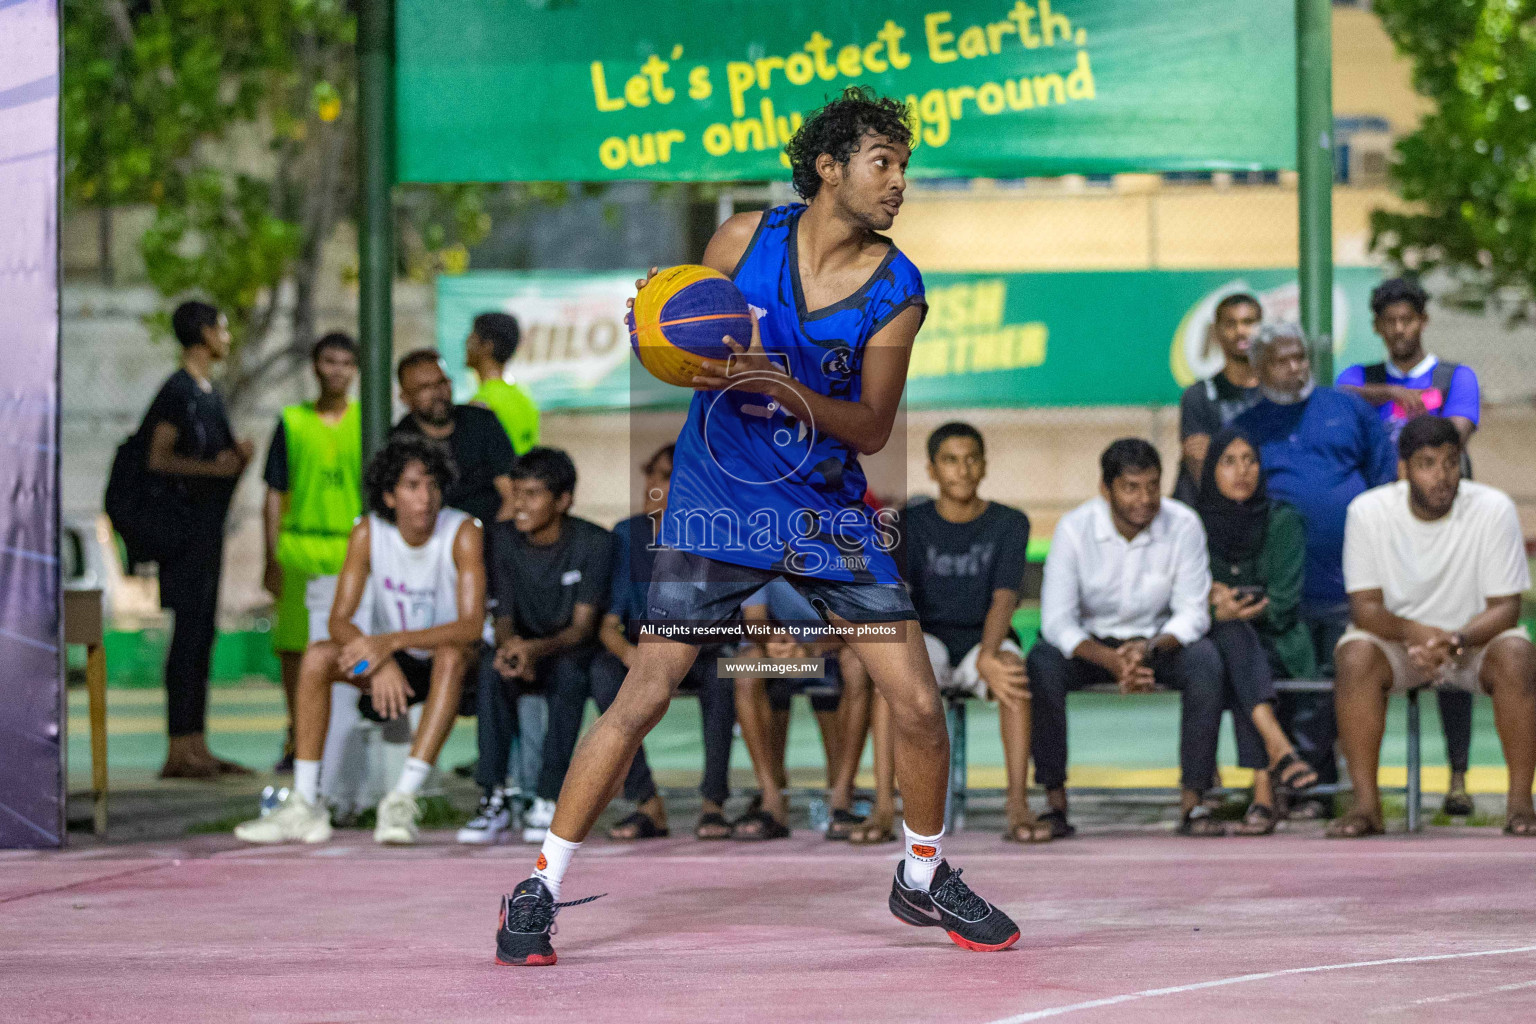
681 318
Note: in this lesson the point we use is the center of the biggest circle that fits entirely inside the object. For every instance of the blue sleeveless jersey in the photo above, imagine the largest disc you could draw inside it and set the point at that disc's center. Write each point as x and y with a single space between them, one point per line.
754 484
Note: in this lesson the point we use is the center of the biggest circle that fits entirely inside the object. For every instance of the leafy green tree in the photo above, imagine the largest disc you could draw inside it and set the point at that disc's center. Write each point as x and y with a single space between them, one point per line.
1469 171
234 120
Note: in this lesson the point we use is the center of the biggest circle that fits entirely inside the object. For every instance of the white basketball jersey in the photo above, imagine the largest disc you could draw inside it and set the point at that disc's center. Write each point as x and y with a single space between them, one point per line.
411 588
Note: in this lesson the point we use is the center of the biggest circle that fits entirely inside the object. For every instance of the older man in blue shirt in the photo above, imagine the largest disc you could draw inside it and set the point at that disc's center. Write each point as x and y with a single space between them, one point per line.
1320 448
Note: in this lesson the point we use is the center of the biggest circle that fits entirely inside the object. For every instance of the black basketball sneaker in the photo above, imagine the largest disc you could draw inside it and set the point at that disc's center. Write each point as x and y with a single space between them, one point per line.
527 922
971 922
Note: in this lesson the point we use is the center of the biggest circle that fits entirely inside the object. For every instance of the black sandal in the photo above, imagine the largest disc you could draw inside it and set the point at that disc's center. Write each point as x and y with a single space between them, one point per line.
1259 820
842 825
1199 823
1458 803
1061 828
644 827
716 820
759 827
1290 768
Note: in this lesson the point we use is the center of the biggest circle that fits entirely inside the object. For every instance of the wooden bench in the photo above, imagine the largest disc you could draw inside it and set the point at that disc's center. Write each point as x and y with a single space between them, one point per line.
955 704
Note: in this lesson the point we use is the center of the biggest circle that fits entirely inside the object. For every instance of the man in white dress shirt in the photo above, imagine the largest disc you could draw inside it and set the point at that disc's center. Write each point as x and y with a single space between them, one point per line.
1125 601
1435 566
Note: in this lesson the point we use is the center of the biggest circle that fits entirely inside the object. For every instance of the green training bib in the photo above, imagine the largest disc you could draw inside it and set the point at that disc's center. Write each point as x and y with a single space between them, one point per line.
325 469
518 415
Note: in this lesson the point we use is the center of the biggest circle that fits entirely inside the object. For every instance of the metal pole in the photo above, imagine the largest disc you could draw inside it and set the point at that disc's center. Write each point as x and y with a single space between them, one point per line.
375 230
1414 787
1314 163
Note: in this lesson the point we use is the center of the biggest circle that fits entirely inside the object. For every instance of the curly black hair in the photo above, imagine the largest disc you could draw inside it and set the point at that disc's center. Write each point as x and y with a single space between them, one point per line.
385 468
838 129
1399 289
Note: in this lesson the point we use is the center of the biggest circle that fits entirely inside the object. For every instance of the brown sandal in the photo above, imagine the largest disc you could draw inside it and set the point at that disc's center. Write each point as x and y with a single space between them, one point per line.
1521 823
1354 825
875 830
1029 830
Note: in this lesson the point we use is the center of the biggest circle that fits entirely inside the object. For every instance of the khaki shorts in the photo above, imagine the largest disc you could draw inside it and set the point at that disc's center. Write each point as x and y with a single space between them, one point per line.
964 677
1463 674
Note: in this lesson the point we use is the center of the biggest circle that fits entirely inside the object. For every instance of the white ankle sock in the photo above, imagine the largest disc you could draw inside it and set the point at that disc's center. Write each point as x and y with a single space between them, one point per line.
923 856
306 780
413 776
554 857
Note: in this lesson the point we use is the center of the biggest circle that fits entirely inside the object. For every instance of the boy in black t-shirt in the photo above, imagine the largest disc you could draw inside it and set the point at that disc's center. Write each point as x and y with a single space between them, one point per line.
549 583
191 443
964 559
1209 405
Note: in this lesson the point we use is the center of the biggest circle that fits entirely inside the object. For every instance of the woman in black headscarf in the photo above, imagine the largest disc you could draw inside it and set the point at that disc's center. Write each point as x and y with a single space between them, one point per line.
1256 548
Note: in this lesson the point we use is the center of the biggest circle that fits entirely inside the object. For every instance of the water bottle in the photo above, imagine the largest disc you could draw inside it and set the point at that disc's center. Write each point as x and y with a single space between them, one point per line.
821 818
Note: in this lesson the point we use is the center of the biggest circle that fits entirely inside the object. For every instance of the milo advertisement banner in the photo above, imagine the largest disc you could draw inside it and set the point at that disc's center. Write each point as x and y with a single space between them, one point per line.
710 90
1016 340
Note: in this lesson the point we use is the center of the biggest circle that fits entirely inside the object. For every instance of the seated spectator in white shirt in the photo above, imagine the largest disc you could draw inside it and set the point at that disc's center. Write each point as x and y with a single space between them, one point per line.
1435 566
1125 601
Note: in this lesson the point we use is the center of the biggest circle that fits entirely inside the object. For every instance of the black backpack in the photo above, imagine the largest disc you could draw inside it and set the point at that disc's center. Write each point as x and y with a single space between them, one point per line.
1439 380
150 511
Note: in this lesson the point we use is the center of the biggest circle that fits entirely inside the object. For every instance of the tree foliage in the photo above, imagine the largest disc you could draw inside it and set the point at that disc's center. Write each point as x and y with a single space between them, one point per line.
1469 171
234 120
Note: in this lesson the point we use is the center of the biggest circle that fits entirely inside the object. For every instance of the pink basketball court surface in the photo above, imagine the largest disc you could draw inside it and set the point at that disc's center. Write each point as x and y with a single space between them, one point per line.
1125 928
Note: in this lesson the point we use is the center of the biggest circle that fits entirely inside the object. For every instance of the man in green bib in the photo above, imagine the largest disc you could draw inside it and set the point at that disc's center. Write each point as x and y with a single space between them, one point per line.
491 345
314 495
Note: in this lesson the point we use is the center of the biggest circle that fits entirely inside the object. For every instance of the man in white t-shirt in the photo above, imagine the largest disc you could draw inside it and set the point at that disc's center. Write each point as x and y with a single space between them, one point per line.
409 607
1435 567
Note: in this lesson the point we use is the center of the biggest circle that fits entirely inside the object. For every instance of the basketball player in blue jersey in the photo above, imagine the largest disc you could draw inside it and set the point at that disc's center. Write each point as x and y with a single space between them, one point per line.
766 483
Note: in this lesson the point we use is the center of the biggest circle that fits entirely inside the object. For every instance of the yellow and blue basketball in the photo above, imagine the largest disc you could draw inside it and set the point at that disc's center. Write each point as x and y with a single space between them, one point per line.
682 318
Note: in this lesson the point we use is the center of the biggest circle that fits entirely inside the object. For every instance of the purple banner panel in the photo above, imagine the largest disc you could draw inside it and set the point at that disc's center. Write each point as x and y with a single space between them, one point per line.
31 644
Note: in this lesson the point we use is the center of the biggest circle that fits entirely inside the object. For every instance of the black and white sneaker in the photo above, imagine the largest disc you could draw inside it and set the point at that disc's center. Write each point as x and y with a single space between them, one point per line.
527 922
971 922
490 823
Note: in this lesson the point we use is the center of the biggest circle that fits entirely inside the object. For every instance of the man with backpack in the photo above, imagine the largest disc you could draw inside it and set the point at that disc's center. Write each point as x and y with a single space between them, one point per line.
1409 383
168 496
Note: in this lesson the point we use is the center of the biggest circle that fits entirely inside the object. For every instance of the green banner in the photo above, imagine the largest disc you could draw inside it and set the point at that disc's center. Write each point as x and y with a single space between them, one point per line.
1016 340
681 90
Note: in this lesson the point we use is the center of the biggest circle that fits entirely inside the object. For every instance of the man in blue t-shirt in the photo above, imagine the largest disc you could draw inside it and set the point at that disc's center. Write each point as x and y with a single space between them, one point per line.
784 625
1409 383
634 560
1320 449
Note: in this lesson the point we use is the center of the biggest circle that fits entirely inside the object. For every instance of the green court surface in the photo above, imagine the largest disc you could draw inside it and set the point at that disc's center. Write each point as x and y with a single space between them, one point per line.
1115 741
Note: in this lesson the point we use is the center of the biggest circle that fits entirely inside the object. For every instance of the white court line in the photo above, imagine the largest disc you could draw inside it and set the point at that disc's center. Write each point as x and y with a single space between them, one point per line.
1131 997
1454 997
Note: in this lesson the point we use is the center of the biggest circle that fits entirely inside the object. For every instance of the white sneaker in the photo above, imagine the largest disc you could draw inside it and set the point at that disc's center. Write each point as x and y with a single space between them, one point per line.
486 827
397 820
296 821
537 819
